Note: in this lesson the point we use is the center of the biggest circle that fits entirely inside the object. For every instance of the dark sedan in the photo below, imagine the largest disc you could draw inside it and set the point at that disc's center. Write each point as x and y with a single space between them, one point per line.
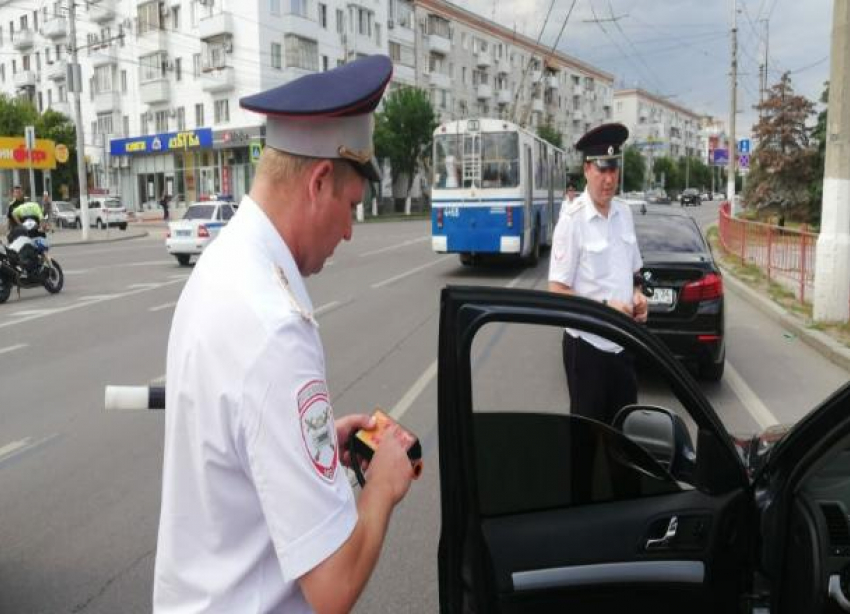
690 198
686 308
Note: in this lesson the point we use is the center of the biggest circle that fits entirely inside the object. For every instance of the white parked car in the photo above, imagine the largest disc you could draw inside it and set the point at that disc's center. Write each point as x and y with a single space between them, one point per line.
107 212
200 225
65 215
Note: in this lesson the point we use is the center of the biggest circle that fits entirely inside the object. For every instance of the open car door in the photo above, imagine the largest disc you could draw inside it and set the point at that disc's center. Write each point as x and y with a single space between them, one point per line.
544 511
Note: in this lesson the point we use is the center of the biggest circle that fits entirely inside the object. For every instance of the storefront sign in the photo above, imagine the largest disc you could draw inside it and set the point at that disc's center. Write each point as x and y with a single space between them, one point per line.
62 153
14 154
202 138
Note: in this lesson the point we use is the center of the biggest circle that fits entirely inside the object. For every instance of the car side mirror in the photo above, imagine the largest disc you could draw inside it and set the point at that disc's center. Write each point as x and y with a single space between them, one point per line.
663 434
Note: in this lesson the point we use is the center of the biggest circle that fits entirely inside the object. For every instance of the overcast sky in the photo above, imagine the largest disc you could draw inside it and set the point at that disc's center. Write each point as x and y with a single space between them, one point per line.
682 48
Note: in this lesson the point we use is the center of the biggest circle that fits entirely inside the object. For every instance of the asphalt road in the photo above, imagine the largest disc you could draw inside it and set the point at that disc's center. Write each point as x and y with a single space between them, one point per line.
80 501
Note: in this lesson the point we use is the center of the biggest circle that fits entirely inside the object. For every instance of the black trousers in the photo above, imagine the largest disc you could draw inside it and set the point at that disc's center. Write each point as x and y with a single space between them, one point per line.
600 382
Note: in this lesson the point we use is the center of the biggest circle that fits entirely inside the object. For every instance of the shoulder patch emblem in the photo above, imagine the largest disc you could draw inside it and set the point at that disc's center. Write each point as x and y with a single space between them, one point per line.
318 430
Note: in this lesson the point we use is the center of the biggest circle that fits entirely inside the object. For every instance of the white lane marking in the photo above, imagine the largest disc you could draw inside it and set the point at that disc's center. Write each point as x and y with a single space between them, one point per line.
413 271
12 348
142 285
15 448
147 263
375 252
78 271
428 376
87 302
163 306
749 399
31 312
179 276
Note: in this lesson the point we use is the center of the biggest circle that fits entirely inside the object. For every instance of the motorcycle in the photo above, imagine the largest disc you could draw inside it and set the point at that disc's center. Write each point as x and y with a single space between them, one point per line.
25 262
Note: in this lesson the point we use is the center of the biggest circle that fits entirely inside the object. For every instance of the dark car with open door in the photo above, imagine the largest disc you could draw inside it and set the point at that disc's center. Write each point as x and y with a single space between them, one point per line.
686 308
544 511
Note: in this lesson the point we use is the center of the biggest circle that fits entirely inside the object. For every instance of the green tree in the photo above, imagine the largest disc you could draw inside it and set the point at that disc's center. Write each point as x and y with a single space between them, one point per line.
819 136
783 164
549 133
17 113
404 132
634 169
668 167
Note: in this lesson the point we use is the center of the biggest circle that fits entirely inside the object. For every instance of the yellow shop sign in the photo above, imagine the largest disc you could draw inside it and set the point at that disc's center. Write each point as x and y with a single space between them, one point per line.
14 154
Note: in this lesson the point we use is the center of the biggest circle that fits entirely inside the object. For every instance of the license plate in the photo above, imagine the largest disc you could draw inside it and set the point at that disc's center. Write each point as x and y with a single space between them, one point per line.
661 296
183 233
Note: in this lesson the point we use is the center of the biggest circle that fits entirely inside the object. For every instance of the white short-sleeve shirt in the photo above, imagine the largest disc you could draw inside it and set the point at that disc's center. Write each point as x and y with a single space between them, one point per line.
596 256
253 494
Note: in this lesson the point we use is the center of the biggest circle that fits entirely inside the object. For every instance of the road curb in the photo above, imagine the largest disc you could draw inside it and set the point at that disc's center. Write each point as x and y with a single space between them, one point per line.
123 237
830 349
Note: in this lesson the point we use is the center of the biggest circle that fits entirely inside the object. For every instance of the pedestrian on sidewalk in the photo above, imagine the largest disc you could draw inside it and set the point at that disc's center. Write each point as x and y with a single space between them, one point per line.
163 202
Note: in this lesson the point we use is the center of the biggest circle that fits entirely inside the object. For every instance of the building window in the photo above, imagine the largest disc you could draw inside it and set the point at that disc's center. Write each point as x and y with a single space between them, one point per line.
274 7
126 125
196 65
161 121
181 118
277 53
40 105
324 63
402 54
199 115
222 111
152 67
438 25
215 56
104 123
378 34
49 98
340 22
323 15
299 7
148 17
301 52
175 18
178 69
103 79
364 21
123 81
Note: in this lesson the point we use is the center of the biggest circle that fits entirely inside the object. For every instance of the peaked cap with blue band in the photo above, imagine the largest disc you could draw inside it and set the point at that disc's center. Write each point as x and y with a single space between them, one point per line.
601 145
327 114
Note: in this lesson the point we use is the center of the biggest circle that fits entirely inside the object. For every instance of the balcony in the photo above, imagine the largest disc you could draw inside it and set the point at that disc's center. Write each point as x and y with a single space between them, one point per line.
57 71
504 96
55 28
483 60
220 24
24 78
537 105
503 66
536 76
156 91
578 90
552 82
483 91
100 56
222 79
106 101
103 11
62 107
578 115
439 44
152 41
439 80
24 40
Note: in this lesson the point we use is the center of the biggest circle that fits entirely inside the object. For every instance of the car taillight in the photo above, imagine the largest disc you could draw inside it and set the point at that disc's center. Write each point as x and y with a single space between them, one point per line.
707 288
440 217
203 232
510 216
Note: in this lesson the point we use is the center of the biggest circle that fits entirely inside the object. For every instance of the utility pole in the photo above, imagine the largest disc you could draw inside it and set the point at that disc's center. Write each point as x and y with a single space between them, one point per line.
733 141
76 81
832 259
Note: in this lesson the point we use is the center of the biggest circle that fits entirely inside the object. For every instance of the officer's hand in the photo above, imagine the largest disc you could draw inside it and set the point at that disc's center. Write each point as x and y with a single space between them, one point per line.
626 308
641 307
345 426
390 468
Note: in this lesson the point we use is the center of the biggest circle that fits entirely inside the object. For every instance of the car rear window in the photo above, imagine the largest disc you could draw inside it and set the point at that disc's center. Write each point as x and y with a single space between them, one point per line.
112 204
199 212
226 212
658 233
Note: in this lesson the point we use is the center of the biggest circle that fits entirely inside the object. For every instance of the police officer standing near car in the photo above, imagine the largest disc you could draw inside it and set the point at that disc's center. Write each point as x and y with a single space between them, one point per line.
595 255
257 512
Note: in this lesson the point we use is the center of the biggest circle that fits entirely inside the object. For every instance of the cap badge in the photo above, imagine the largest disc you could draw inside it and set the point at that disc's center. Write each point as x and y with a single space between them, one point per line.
610 150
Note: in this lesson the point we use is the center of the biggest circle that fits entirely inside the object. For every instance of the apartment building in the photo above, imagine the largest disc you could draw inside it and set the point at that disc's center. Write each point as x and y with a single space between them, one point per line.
657 126
161 80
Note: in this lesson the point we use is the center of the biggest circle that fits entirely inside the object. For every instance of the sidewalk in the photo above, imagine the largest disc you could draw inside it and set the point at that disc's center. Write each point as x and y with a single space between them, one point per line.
73 236
834 351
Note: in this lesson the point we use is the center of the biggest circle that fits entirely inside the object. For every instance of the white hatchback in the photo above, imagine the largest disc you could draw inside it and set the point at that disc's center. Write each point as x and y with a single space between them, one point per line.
200 225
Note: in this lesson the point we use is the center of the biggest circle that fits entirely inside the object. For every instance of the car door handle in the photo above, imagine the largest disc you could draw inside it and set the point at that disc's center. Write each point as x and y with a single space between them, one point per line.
666 540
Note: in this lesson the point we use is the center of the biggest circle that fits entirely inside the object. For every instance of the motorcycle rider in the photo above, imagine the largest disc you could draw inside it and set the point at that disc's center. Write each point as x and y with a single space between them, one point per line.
17 200
21 234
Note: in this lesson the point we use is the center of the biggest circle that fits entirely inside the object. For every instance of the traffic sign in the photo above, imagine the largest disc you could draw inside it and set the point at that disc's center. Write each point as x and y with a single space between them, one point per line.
721 157
256 148
744 161
744 146
29 136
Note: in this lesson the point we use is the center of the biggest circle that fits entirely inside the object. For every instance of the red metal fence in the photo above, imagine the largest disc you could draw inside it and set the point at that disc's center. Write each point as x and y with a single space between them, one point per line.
787 256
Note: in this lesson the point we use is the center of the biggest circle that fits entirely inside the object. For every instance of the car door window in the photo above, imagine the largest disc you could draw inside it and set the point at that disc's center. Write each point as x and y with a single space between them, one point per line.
226 212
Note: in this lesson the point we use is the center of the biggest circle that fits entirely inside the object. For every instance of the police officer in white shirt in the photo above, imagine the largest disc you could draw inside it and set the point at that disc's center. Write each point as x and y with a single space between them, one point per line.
595 255
257 513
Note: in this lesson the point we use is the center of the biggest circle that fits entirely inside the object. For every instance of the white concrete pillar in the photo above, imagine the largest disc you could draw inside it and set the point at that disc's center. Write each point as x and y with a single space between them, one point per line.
360 212
832 273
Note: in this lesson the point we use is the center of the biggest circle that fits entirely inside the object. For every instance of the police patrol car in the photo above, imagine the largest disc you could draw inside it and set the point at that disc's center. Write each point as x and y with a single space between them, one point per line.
200 225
